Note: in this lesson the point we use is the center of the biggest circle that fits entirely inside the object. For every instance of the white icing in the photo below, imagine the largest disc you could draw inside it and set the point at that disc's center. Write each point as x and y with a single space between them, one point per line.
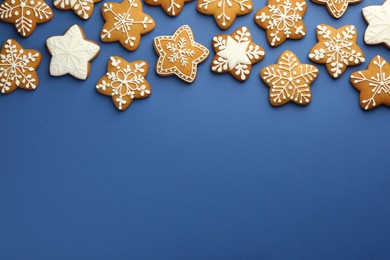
339 50
82 8
71 53
337 7
378 18
16 69
31 12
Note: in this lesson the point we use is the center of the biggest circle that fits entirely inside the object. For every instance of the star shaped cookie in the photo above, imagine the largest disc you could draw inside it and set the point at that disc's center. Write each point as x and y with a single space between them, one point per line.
236 53
289 80
71 53
224 11
179 54
282 20
125 22
336 7
337 48
124 81
378 19
83 8
25 14
170 7
373 84
17 67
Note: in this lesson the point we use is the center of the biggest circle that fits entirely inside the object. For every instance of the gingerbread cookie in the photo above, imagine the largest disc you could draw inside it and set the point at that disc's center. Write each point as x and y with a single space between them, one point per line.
125 81
224 11
170 7
282 20
71 53
337 48
179 54
336 7
289 80
378 30
373 84
83 8
236 53
17 67
125 22
25 14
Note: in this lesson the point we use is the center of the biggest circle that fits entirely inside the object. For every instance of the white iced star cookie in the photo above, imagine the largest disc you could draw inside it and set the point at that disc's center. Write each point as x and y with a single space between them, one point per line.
378 19
71 53
236 53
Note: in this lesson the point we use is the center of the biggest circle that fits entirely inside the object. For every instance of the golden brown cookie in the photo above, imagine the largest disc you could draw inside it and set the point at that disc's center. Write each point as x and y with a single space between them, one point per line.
25 14
17 67
337 49
282 20
125 22
83 8
289 80
373 84
170 7
224 11
179 54
236 53
124 81
336 7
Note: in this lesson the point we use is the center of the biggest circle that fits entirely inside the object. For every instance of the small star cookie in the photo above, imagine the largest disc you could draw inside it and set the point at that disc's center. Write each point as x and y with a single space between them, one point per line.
125 22
236 53
282 20
83 8
179 54
337 48
25 14
289 80
17 67
170 7
373 84
124 81
224 11
71 53
378 19
336 7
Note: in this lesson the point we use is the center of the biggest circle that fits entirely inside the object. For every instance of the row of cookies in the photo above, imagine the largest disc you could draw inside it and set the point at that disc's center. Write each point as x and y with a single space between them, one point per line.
179 55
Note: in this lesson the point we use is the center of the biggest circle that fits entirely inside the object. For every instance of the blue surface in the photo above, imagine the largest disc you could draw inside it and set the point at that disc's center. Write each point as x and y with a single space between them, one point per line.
207 171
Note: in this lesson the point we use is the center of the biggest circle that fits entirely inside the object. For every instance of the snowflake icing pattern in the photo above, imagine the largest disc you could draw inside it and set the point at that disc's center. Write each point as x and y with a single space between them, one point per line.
125 82
83 8
337 49
289 80
179 52
282 19
337 7
17 67
132 23
373 84
171 7
25 14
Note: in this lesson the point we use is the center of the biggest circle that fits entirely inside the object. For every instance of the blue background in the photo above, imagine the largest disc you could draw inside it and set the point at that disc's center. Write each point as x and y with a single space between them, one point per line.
205 171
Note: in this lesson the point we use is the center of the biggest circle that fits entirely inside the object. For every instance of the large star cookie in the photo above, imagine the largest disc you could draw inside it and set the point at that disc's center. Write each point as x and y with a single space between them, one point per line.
179 54
125 22
83 8
336 7
125 81
289 80
224 11
71 53
282 20
373 84
378 18
170 7
17 67
337 48
236 53
25 14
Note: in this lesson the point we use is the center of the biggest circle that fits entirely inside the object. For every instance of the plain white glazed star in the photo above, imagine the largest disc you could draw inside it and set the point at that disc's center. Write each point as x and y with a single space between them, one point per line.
378 19
71 53
235 52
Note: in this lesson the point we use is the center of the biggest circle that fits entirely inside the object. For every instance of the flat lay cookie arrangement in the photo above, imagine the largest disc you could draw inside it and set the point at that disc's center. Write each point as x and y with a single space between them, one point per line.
179 54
